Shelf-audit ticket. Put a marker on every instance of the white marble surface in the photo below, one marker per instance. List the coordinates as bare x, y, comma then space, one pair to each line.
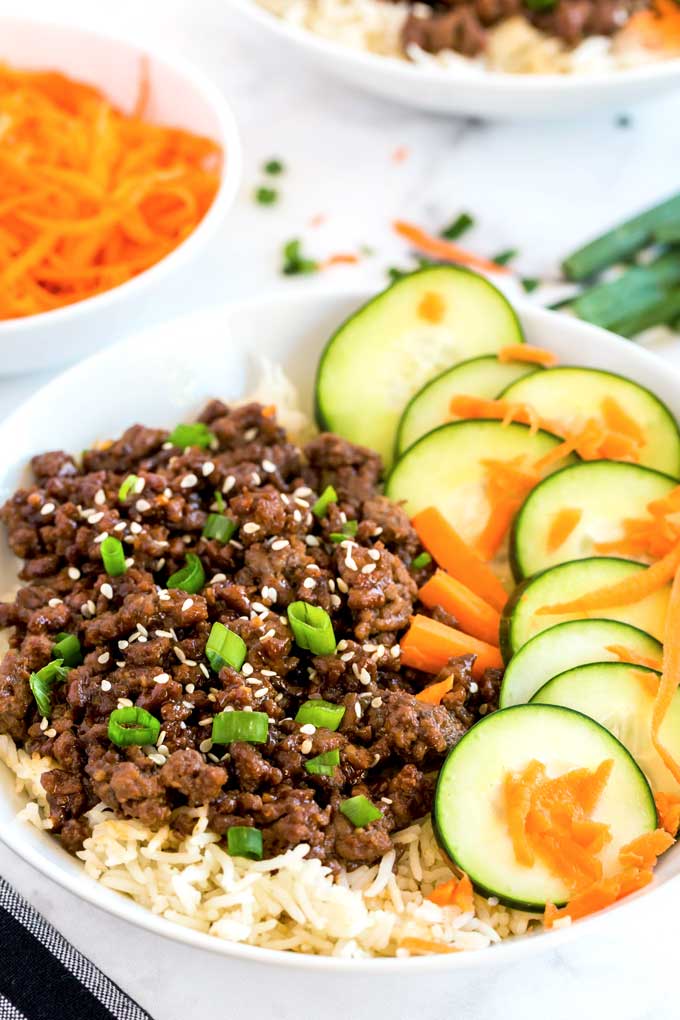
542, 188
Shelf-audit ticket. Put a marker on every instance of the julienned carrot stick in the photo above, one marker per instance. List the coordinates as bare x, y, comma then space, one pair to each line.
438, 248
527, 352
433, 694
670, 676
451, 553
625, 592
428, 645
474, 615
561, 527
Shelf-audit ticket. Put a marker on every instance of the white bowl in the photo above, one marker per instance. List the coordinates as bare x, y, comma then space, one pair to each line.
170, 381
489, 94
180, 96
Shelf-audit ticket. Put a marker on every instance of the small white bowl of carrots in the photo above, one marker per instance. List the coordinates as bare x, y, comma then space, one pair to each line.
117, 166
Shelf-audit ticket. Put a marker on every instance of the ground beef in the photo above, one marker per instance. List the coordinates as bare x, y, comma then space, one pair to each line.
145, 645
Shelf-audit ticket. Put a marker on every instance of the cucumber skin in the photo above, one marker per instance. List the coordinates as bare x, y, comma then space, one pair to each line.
505, 630
319, 415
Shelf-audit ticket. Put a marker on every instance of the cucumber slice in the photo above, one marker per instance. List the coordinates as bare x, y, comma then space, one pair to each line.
567, 645
567, 581
479, 377
567, 397
470, 826
605, 491
616, 696
445, 469
388, 349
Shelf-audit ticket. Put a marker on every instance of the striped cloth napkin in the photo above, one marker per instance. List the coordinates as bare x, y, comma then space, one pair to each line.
42, 977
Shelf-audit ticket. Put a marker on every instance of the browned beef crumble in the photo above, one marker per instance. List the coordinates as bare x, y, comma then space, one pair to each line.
145, 645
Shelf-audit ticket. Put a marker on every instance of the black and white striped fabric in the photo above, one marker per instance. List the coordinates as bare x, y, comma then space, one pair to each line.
42, 976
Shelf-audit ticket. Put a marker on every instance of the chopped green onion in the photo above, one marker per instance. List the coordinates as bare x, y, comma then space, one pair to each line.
328, 496
266, 196
312, 628
664, 311
126, 487
67, 648
219, 501
244, 841
394, 274
632, 293
190, 578
44, 681
460, 226
294, 262
132, 725
224, 648
324, 764
220, 527
251, 727
360, 811
322, 714
113, 556
349, 530
196, 434
668, 233
540, 5
420, 561
530, 284
273, 167
504, 257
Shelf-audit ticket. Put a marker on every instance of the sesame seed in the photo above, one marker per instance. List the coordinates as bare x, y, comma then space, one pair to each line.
106, 590
249, 435
164, 596
312, 540
368, 569
163, 633
308, 729
395, 651
365, 676
122, 645
483, 709
135, 527
493, 901
279, 544
229, 483
161, 678
349, 561
207, 468
247, 669
73, 573
309, 582
377, 531
218, 578
374, 554
204, 670
268, 672
103, 658
347, 656
342, 586
386, 800
138, 487
303, 490
473, 687
142, 629
91, 607
261, 693
258, 607
47, 508
44, 723
121, 526
51, 733
306, 746
129, 561
100, 497
124, 703
357, 710
157, 759
342, 644
268, 466
142, 505
101, 537
205, 745
270, 593
54, 602
250, 528
376, 703
167, 492
106, 685
189, 481
205, 722
96, 517
179, 653
186, 605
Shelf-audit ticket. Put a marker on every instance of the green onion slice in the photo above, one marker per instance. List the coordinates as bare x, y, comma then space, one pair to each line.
324, 764
244, 841
43, 682
224, 648
196, 434
360, 811
322, 714
312, 628
421, 561
133, 725
251, 727
67, 648
328, 496
219, 500
349, 530
126, 487
190, 578
113, 556
460, 225
220, 527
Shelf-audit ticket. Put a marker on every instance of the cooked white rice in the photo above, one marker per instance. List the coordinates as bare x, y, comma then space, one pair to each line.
513, 46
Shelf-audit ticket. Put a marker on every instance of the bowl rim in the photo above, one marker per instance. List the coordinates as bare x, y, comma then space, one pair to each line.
89, 890
495, 81
230, 178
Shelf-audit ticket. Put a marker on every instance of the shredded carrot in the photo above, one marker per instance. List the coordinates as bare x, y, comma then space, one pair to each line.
457, 892
90, 196
624, 593
618, 420
658, 27
464, 406
474, 615
507, 485
340, 259
527, 352
561, 527
428, 645
432, 307
643, 851
443, 894
443, 250
668, 810
433, 694
424, 947
318, 219
401, 153
451, 553
648, 681
670, 676
269, 411
624, 654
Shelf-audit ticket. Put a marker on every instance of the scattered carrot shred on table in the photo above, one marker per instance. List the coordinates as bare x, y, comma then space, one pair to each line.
528, 353
443, 250
91, 196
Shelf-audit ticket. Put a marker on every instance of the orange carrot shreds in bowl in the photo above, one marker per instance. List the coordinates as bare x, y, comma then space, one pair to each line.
89, 196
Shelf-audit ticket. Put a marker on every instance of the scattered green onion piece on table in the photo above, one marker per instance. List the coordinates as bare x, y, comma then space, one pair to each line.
530, 284
668, 233
423, 559
132, 725
126, 487
190, 578
324, 764
633, 292
67, 648
194, 434
220, 527
504, 257
43, 681
266, 196
328, 496
274, 167
113, 556
322, 714
663, 312
312, 628
244, 841
294, 263
224, 648
623, 241
360, 811
460, 226
250, 727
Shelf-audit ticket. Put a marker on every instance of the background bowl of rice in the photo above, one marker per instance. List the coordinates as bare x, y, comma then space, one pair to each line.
358, 42
254, 912
179, 96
